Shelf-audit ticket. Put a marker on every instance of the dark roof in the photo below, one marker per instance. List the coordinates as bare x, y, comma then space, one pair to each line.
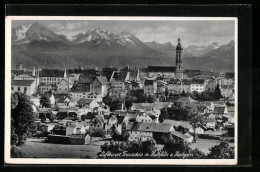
22, 82
152, 127
102, 79
161, 69
219, 110
197, 81
191, 73
119, 76
148, 82
120, 119
229, 75
85, 78
180, 135
175, 123
51, 73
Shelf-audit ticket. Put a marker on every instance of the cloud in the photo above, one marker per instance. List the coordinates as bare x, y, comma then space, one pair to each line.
68, 28
56, 26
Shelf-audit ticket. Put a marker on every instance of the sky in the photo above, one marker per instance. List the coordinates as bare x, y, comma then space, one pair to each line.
191, 32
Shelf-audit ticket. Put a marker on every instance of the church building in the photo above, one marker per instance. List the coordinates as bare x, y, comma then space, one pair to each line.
169, 71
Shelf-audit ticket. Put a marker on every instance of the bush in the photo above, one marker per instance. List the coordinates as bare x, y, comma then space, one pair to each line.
16, 153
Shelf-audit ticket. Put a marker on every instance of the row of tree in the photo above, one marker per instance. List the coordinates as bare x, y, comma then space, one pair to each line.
173, 148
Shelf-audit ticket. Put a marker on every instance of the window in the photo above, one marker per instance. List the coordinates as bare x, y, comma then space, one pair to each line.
25, 89
12, 88
18, 88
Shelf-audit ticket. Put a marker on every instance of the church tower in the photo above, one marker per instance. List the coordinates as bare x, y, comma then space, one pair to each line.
179, 60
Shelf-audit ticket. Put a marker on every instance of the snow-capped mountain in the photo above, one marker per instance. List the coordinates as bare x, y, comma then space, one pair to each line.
225, 51
99, 36
35, 32
194, 50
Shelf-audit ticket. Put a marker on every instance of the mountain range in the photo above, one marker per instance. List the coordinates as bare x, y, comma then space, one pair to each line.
36, 45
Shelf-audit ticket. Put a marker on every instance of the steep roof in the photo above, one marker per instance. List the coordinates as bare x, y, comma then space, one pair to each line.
102, 79
120, 119
152, 127
100, 118
177, 123
161, 69
119, 75
22, 82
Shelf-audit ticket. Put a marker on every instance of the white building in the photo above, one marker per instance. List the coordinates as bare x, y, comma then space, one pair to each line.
25, 86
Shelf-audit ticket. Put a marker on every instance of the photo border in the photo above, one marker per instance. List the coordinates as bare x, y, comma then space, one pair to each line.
9, 160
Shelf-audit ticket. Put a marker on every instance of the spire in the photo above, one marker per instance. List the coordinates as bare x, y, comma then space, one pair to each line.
65, 74
179, 46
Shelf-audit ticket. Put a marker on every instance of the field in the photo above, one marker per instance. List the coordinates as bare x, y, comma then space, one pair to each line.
37, 148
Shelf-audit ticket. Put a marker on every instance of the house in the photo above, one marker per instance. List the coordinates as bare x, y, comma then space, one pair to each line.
110, 121
209, 122
227, 90
63, 86
46, 127
219, 110
44, 88
80, 139
90, 103
76, 128
118, 78
147, 117
211, 85
150, 87
52, 76
186, 100
179, 125
62, 100
144, 131
25, 86
228, 118
97, 122
25, 76
198, 85
99, 86
150, 106
185, 137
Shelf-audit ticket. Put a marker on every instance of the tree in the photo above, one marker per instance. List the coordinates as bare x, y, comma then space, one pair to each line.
42, 117
128, 102
174, 146
83, 117
90, 115
45, 102
196, 154
50, 116
166, 92
16, 153
221, 151
22, 118
150, 99
194, 119
147, 147
217, 93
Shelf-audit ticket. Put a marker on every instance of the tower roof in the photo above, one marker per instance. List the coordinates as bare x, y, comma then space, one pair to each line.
179, 46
